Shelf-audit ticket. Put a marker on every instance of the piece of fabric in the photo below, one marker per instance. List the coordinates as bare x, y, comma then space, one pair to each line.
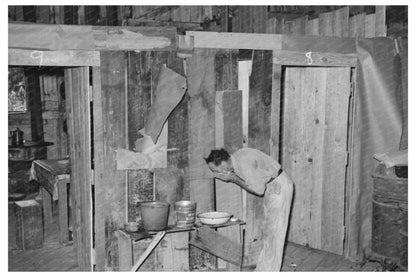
277, 203
377, 129
254, 167
169, 91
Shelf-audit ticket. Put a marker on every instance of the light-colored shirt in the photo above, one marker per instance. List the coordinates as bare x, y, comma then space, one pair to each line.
254, 167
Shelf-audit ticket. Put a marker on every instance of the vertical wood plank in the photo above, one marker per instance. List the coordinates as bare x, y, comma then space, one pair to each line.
357, 25
42, 14
12, 13
78, 107
110, 204
287, 27
271, 25
299, 26
326, 24
259, 19
312, 27
275, 111
201, 88
19, 13
370, 26
380, 22
81, 15
228, 134
259, 134
292, 127
338, 92
341, 24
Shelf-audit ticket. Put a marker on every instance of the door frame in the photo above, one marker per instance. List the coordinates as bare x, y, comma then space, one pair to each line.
78, 59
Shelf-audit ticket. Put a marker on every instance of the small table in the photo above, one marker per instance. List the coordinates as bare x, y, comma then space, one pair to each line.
203, 238
53, 176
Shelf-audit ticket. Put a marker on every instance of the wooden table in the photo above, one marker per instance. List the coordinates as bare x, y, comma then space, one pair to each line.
53, 176
202, 236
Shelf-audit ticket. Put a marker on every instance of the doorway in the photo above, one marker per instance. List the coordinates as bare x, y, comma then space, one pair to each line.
314, 133
69, 114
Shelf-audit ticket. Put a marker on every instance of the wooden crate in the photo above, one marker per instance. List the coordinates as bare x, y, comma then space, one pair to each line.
29, 227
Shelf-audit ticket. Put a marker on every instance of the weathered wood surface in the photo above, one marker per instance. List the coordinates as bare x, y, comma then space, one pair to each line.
259, 134
380, 22
228, 134
139, 95
200, 71
47, 206
110, 188
341, 26
314, 59
77, 37
235, 40
275, 111
29, 229
337, 100
357, 25
218, 245
53, 58
370, 26
78, 107
312, 27
312, 145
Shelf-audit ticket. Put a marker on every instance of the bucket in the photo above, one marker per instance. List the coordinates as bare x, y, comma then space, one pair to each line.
185, 213
154, 215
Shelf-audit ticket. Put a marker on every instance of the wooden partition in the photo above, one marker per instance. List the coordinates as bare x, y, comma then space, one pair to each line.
78, 108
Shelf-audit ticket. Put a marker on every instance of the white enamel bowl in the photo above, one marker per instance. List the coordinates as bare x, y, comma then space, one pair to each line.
214, 218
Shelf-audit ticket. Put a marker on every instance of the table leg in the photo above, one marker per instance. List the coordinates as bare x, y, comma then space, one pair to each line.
63, 212
47, 208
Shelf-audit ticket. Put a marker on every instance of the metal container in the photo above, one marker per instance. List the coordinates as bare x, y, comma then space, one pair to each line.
185, 213
131, 226
154, 215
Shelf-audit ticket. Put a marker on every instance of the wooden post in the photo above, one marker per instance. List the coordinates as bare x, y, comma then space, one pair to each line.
110, 184
78, 108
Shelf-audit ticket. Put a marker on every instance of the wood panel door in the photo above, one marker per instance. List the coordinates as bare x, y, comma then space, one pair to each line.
78, 110
314, 153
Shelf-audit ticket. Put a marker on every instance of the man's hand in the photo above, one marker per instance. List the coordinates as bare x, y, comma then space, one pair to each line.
227, 177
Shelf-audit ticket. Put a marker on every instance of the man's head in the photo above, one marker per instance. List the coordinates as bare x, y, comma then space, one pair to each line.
219, 161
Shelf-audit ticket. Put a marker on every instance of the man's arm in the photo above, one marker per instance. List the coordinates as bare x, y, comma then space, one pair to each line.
232, 177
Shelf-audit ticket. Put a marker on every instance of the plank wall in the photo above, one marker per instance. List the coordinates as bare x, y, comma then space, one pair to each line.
255, 19
169, 184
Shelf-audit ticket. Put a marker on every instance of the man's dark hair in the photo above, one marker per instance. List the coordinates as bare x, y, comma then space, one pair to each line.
217, 156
